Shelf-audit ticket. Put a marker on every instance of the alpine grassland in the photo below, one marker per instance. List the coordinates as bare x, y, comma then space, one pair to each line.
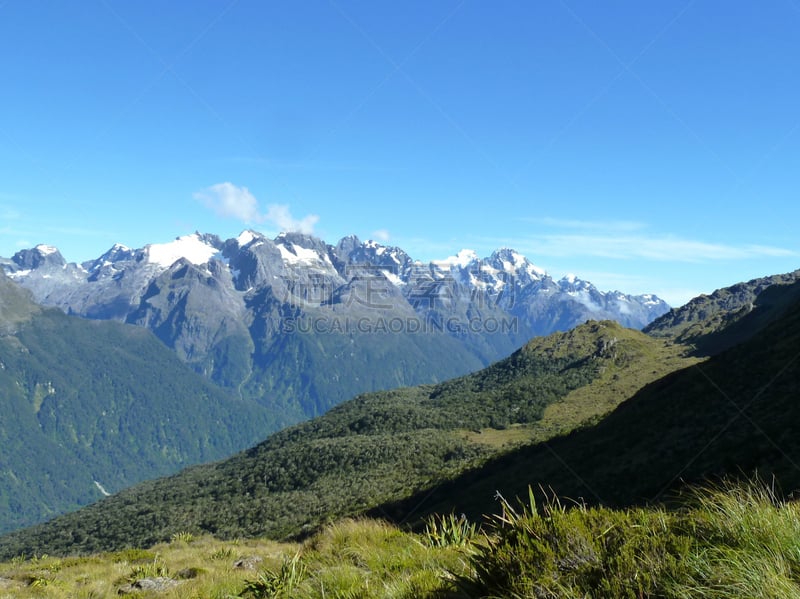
729, 540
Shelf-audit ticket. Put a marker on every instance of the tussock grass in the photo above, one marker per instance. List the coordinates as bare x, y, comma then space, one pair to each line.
750, 544
731, 540
727, 541
350, 558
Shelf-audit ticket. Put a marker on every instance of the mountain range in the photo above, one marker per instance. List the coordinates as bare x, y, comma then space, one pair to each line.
601, 413
300, 325
280, 330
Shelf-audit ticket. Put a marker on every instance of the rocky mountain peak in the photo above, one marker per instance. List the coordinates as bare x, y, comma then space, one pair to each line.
40, 256
303, 240
232, 308
347, 245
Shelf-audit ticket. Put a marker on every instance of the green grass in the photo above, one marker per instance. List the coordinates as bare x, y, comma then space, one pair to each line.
734, 540
729, 541
351, 558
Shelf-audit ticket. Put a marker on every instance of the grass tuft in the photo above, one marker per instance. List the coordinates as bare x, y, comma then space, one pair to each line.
279, 583
727, 541
449, 530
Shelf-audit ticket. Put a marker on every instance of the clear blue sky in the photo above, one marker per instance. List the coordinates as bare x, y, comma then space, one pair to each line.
645, 146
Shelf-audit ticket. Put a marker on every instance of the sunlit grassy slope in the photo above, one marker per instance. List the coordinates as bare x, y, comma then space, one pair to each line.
730, 542
734, 414
376, 448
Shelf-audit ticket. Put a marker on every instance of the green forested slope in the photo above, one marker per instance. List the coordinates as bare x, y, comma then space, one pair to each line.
370, 450
735, 414
84, 401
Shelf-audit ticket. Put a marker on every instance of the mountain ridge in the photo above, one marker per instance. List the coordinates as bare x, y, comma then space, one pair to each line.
707, 321
730, 415
531, 419
255, 315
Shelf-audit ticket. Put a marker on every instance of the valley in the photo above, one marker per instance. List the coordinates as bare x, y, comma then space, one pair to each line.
399, 300
604, 414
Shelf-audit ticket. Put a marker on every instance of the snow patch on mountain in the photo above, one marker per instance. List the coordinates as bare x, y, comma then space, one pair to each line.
245, 237
295, 254
190, 247
650, 299
393, 278
46, 250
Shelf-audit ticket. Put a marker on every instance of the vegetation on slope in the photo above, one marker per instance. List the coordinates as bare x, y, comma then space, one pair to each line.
731, 541
373, 449
727, 542
732, 413
709, 322
87, 401
735, 413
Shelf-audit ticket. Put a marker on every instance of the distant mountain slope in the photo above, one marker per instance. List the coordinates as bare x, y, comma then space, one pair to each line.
302, 325
735, 414
699, 321
85, 401
372, 449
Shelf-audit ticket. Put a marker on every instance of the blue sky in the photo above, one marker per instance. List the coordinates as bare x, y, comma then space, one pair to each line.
645, 146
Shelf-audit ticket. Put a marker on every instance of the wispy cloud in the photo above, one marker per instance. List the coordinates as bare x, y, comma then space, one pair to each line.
279, 215
665, 248
624, 239
381, 235
231, 201
588, 225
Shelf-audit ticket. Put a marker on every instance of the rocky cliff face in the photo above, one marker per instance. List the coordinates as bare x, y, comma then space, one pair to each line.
303, 325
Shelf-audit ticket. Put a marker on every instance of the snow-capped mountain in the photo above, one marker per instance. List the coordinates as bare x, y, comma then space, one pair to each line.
296, 320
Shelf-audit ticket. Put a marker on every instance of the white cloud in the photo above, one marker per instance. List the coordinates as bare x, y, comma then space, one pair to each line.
381, 235
228, 200
621, 239
231, 201
635, 284
279, 215
660, 248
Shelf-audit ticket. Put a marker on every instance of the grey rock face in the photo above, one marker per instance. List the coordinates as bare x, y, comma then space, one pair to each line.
296, 321
156, 585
